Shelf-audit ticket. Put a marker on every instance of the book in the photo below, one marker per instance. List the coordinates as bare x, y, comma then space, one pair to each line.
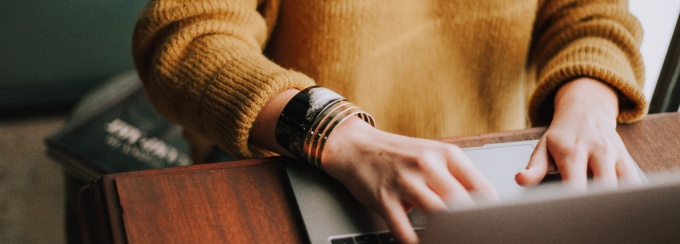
115, 128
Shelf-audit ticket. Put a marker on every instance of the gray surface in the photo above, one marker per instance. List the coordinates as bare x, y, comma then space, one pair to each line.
328, 210
31, 184
646, 214
500, 162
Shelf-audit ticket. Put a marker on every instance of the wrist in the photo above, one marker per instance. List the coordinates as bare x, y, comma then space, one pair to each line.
586, 96
306, 122
346, 141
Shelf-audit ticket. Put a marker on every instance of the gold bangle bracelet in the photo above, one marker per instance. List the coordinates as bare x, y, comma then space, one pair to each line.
322, 127
309, 118
299, 114
322, 122
318, 141
319, 122
320, 148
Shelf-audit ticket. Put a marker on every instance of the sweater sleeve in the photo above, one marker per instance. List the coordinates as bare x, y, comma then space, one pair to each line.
202, 65
596, 39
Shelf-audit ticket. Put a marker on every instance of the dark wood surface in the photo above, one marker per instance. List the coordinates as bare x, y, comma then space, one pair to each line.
250, 200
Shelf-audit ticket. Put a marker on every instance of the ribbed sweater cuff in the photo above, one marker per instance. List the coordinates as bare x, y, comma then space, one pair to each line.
594, 58
233, 118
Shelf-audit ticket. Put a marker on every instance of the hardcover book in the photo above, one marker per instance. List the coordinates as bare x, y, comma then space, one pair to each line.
115, 128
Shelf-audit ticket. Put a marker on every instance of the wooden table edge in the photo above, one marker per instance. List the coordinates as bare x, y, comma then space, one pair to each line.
107, 190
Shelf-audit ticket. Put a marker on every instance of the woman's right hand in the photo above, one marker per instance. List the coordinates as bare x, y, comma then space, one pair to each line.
392, 174
389, 173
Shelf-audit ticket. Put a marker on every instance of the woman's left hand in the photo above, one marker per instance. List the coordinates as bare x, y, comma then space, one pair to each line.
582, 140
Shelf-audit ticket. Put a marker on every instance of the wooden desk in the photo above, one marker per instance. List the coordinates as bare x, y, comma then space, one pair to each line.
250, 200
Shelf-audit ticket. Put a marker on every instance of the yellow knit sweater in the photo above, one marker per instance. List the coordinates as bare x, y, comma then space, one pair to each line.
424, 68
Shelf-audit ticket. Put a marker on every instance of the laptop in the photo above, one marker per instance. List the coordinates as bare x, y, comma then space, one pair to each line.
641, 214
331, 215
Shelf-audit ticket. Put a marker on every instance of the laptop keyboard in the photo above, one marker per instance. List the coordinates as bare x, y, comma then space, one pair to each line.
371, 238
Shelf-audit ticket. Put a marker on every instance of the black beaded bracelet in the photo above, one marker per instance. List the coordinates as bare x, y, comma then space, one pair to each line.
307, 120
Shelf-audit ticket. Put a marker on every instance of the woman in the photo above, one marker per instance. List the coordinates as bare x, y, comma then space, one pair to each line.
231, 73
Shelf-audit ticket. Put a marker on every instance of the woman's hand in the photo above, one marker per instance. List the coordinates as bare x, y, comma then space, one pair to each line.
389, 173
582, 140
392, 174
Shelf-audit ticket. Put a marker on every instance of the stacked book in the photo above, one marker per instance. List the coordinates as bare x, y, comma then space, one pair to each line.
115, 128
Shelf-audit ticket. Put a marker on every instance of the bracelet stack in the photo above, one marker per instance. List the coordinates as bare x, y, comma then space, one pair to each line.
309, 118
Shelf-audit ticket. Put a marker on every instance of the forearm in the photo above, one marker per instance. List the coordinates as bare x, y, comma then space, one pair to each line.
593, 39
210, 76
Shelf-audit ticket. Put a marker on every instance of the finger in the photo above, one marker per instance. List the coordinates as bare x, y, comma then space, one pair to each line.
467, 177
603, 166
456, 196
537, 167
397, 220
573, 166
446, 186
426, 199
627, 172
626, 169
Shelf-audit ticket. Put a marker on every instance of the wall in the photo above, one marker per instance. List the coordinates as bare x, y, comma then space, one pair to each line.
658, 18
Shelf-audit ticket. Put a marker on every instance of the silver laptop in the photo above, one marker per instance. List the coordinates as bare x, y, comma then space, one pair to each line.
640, 214
331, 215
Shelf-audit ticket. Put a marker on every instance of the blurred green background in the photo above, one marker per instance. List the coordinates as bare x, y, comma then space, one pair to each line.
53, 51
